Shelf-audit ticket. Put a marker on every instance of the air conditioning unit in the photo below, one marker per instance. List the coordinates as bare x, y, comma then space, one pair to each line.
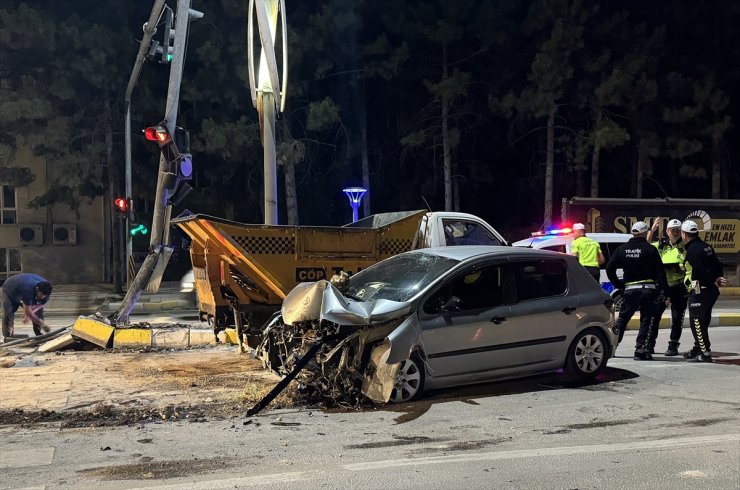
31, 235
64, 234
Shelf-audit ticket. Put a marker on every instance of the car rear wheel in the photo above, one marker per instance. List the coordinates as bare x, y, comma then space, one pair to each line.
587, 354
409, 380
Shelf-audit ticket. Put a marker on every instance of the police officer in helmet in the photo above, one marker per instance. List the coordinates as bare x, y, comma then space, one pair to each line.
703, 279
644, 277
672, 254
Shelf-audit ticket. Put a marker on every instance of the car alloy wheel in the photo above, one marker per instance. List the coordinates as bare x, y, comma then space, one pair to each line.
587, 355
409, 380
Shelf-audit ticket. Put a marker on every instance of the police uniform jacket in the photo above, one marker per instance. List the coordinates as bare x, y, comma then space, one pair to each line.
702, 264
640, 262
673, 257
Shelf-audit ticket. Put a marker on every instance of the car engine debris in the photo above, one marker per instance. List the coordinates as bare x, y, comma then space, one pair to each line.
348, 342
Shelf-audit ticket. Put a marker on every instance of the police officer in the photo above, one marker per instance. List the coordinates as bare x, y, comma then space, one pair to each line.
703, 279
672, 254
587, 250
644, 276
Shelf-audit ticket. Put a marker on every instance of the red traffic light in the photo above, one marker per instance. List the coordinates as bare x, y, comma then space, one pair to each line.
121, 204
158, 134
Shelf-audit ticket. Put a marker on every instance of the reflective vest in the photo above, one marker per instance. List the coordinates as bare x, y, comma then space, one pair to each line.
674, 261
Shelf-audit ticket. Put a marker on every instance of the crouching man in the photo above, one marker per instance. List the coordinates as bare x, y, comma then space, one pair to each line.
29, 291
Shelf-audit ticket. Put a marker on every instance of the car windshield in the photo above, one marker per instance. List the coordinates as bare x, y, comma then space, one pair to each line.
398, 278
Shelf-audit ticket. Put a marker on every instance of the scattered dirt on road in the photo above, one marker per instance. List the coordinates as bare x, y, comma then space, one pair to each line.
152, 470
113, 388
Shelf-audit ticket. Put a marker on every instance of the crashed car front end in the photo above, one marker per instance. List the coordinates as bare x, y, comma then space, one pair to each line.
356, 346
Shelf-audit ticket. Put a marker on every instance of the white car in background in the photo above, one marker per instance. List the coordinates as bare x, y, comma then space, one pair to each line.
560, 240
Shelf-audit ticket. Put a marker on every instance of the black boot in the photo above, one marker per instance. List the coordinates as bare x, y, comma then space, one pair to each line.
642, 354
702, 357
693, 353
672, 349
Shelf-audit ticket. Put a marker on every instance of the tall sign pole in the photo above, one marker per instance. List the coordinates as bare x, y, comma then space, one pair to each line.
268, 94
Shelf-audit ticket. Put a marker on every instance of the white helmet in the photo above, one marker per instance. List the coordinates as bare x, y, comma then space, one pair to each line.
674, 223
689, 227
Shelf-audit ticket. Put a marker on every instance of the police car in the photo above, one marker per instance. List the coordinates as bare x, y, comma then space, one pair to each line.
560, 240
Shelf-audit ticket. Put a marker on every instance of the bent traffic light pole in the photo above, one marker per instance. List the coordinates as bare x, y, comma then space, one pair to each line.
158, 252
149, 29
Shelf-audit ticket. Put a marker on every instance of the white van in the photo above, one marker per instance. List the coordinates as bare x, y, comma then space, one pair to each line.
561, 240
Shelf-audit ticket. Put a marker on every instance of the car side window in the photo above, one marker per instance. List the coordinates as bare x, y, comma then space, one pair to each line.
556, 248
461, 232
477, 288
540, 279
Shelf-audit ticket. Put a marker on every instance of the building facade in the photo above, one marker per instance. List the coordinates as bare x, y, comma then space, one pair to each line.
59, 243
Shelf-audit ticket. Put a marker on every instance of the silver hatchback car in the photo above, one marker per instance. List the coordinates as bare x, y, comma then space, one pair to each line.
441, 317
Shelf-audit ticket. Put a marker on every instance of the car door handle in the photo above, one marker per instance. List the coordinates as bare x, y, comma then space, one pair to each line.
569, 309
498, 320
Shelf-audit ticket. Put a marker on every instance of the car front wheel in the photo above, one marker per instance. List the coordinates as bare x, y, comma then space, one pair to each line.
409, 380
587, 354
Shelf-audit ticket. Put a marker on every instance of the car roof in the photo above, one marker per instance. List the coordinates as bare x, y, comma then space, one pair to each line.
552, 241
465, 252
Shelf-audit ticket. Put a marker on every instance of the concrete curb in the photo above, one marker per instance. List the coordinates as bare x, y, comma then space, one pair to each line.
718, 320
182, 338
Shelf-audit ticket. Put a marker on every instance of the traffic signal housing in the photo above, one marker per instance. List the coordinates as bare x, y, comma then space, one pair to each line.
122, 206
159, 134
184, 165
163, 50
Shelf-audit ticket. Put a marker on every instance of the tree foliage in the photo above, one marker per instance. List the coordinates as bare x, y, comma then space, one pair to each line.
483, 106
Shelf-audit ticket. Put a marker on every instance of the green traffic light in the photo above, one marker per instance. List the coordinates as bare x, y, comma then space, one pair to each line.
139, 229
169, 58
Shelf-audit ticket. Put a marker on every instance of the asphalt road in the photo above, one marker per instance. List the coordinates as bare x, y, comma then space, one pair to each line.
659, 424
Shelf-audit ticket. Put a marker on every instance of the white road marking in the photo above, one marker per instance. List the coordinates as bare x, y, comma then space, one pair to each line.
551, 451
24, 458
275, 478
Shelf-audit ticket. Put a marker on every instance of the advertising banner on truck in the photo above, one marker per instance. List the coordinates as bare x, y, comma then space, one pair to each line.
718, 219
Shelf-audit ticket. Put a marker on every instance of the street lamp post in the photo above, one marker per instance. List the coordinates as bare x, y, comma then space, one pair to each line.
355, 194
268, 94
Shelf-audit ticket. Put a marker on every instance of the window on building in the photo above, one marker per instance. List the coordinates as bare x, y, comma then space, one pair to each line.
10, 263
8, 213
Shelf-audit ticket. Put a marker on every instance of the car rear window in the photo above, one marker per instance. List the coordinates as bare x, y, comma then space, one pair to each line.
540, 279
461, 232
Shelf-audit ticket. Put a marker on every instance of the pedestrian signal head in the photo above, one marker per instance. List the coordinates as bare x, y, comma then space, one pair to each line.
689, 226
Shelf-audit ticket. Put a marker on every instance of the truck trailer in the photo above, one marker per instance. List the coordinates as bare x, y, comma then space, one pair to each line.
242, 272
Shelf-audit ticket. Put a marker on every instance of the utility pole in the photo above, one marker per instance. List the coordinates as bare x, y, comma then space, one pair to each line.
266, 92
159, 251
